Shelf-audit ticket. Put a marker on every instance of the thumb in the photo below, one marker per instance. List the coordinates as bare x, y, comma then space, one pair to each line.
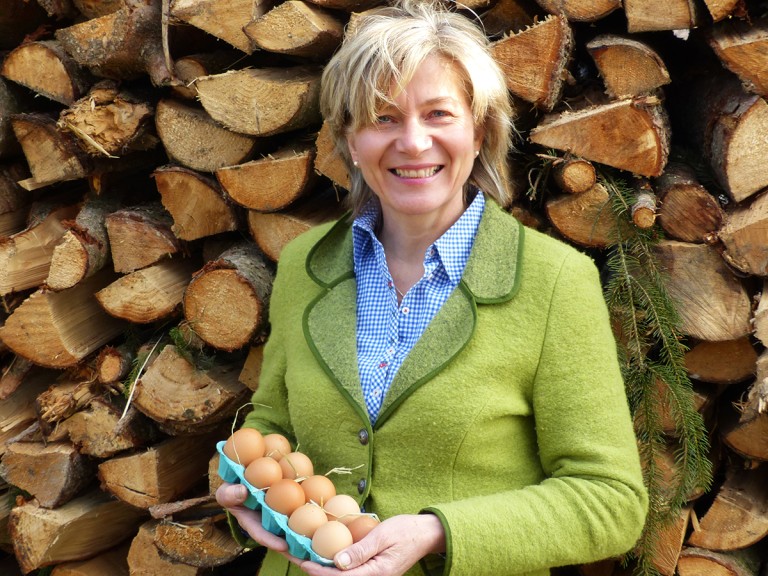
355, 555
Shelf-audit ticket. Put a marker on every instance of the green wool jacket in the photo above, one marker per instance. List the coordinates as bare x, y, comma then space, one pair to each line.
508, 420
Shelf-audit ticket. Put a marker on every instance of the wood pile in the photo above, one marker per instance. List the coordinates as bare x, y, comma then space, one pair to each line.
155, 157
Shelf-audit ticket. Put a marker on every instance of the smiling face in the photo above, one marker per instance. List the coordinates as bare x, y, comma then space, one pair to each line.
420, 151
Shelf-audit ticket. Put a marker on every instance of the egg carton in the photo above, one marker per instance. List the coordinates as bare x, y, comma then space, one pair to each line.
272, 521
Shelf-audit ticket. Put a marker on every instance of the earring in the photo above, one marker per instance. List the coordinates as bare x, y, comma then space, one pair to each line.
477, 153
355, 163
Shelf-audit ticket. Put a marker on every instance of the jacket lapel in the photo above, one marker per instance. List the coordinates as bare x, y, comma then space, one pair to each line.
491, 276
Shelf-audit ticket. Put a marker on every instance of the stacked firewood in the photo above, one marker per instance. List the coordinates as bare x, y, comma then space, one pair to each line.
155, 157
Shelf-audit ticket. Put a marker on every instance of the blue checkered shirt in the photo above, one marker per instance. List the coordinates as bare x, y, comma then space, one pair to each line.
386, 331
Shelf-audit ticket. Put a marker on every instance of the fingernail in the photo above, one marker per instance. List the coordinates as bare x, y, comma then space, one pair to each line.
344, 560
242, 491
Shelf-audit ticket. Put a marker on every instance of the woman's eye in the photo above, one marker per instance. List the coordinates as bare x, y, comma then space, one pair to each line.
383, 119
439, 114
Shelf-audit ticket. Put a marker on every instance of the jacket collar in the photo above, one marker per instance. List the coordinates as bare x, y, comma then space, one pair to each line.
491, 276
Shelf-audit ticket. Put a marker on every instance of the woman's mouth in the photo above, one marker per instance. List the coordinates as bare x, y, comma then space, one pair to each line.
420, 173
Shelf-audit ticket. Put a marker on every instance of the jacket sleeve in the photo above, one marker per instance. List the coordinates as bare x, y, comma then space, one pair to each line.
592, 503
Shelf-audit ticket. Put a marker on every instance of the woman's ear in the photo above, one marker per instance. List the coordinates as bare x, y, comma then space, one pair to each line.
479, 137
351, 146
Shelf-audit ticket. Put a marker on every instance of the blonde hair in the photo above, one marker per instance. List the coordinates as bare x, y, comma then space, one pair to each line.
384, 48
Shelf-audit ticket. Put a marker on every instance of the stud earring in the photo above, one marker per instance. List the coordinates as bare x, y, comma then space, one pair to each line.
477, 153
355, 163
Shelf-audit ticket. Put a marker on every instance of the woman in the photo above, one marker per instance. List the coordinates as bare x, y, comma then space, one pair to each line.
461, 365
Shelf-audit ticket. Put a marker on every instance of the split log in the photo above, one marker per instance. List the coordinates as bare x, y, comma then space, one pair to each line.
586, 219
628, 67
51, 155
195, 202
25, 257
193, 66
148, 226
13, 375
328, 162
123, 44
110, 122
688, 212
11, 102
722, 363
701, 562
101, 430
193, 139
77, 530
722, 9
14, 200
53, 473
149, 294
580, 10
745, 430
185, 400
113, 562
224, 19
271, 183
249, 374
17, 412
725, 124
745, 234
162, 473
712, 303
760, 320
741, 47
629, 134
206, 543
703, 401
650, 15
63, 400
47, 69
535, 60
355, 5
263, 101
738, 517
226, 302
59, 9
506, 16
83, 249
574, 175
59, 329
96, 8
670, 542
144, 559
114, 363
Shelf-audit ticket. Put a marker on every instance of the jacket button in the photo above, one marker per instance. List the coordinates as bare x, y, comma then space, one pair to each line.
361, 486
363, 436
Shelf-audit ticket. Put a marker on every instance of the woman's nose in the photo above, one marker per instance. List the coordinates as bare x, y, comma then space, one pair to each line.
414, 138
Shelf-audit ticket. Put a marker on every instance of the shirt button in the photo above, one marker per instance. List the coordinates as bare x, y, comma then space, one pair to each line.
390, 350
363, 436
361, 486
406, 310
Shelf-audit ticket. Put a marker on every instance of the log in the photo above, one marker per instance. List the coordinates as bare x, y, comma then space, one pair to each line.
745, 429
149, 294
649, 15
224, 19
264, 101
574, 175
18, 19
123, 44
741, 47
721, 9
25, 257
84, 248
96, 8
643, 210
628, 134
114, 363
296, 28
47, 69
59, 9
110, 122
144, 559
354, 5
226, 302
534, 60
59, 329
193, 139
722, 363
193, 66
271, 183
249, 374
185, 400
712, 303
328, 162
77, 530
113, 562
14, 200
703, 401
701, 562
688, 212
738, 517
162, 473
627, 66
670, 542
148, 226
63, 400
580, 10
272, 231
11, 102
13, 374
17, 412
52, 473
206, 543
506, 16
586, 219
195, 201
744, 234
760, 320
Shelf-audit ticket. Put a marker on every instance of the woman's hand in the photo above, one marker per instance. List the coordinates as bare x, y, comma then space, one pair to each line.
390, 549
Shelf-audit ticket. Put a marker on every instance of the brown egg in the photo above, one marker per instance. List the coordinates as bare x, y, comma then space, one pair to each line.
360, 526
263, 472
318, 489
276, 446
296, 465
244, 446
284, 496
306, 519
342, 508
330, 538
